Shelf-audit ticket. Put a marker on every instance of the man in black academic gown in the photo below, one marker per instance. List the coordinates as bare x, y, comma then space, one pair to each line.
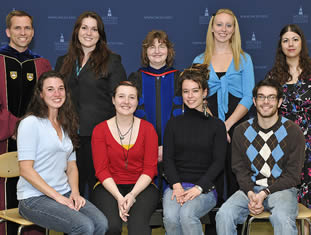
19, 70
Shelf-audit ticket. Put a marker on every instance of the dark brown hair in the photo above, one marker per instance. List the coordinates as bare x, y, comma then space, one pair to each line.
198, 73
99, 56
163, 38
280, 70
270, 83
67, 117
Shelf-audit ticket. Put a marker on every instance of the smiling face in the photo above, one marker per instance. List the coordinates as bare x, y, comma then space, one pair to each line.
291, 44
53, 93
20, 33
125, 100
223, 27
157, 54
88, 34
193, 94
267, 102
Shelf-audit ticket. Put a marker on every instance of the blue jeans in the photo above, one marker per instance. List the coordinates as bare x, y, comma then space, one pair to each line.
48, 213
186, 219
282, 205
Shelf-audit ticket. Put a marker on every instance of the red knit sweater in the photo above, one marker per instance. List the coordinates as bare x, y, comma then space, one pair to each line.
109, 159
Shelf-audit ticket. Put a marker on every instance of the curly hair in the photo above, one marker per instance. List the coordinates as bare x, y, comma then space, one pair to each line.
99, 56
280, 70
163, 38
67, 117
198, 73
235, 40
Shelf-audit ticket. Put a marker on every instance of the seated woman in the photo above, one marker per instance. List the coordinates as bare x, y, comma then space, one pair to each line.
125, 153
194, 155
47, 189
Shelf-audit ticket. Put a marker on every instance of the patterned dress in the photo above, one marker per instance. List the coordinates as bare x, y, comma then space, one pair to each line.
296, 106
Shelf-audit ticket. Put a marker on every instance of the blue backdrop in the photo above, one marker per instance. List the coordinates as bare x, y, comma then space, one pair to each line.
185, 21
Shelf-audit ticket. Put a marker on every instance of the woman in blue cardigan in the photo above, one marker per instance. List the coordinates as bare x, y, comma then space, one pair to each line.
231, 77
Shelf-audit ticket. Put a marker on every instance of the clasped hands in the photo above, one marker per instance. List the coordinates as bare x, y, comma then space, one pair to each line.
182, 195
74, 202
125, 203
255, 204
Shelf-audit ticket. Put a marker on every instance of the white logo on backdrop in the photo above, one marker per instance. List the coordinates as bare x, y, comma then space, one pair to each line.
301, 18
253, 43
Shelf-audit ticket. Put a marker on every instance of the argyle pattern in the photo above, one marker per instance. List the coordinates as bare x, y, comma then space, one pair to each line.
265, 150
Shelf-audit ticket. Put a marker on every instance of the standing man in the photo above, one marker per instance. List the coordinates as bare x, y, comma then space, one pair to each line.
267, 158
19, 70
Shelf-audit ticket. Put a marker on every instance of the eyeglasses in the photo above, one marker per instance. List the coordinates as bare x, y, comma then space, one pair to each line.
269, 97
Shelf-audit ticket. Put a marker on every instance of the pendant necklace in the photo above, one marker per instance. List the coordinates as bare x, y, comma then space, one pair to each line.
122, 138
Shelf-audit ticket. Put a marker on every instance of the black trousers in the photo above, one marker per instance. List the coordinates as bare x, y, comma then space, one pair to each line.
85, 166
140, 213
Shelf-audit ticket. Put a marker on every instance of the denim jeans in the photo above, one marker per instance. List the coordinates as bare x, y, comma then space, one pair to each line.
282, 205
185, 219
48, 213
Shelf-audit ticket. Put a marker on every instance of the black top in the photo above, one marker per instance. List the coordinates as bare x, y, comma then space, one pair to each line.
92, 94
194, 149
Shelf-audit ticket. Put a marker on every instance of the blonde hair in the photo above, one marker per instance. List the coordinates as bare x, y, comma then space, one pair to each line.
235, 40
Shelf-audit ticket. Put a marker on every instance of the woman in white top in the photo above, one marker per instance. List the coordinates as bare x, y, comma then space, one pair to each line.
47, 189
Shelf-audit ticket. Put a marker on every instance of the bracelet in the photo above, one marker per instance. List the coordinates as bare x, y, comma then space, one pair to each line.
199, 188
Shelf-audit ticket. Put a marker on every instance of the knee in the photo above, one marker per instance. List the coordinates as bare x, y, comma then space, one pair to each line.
115, 227
283, 217
225, 213
170, 218
188, 217
102, 226
86, 227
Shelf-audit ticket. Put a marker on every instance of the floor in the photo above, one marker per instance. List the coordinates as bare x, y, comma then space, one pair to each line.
259, 228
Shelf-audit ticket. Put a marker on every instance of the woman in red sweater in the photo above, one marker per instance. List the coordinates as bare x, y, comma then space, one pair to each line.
125, 152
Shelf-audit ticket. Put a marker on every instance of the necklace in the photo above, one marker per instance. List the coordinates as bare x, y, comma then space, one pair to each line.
122, 136
128, 147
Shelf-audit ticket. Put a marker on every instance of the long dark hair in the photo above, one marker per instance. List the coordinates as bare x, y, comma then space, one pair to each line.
280, 70
67, 117
99, 56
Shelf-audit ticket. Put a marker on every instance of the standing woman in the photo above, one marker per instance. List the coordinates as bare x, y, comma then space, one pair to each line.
157, 81
194, 155
125, 153
292, 68
47, 189
91, 71
231, 78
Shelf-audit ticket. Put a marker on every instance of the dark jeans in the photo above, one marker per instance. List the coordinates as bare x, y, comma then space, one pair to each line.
140, 213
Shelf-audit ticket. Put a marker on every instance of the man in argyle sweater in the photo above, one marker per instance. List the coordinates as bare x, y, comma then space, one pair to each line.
267, 158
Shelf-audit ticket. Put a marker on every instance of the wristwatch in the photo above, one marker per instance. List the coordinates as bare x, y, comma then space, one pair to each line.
199, 187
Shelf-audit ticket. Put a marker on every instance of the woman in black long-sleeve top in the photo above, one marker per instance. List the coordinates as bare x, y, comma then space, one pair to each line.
194, 154
92, 71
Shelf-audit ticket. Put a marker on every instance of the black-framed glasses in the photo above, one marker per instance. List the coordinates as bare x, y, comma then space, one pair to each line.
269, 97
